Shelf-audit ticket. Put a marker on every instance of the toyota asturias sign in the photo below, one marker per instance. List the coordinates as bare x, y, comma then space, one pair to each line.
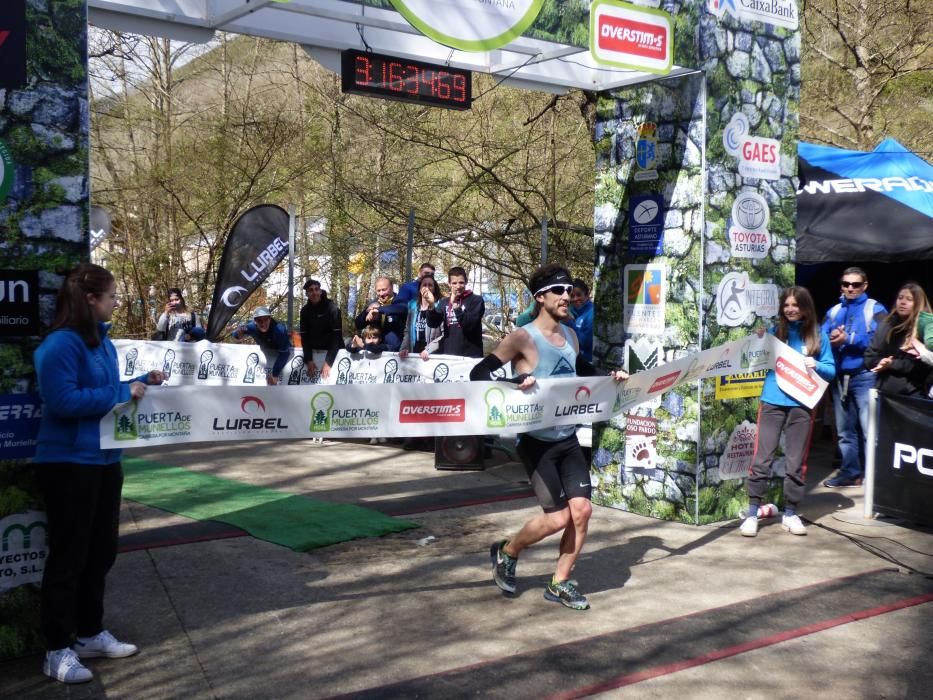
640, 38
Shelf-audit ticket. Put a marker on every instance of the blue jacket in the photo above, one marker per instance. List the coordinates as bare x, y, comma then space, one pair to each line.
583, 325
825, 366
276, 340
79, 386
851, 314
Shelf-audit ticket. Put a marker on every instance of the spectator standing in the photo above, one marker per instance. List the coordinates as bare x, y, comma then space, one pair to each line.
177, 322
387, 312
581, 306
850, 326
463, 313
321, 325
273, 339
425, 326
409, 290
79, 382
892, 356
779, 412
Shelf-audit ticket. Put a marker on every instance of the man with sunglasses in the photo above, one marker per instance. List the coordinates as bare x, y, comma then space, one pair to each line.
850, 325
553, 459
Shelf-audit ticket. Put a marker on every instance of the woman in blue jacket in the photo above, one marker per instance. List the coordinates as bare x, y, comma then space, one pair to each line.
79, 383
799, 327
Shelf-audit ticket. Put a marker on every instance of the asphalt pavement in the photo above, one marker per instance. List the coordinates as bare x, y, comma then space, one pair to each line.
677, 610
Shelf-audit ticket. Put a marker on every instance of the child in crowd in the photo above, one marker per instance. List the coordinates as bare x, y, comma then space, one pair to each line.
370, 340
799, 327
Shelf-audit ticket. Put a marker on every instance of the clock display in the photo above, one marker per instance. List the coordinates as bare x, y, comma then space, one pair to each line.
367, 73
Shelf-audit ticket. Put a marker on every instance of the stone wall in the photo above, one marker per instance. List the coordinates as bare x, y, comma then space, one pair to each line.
725, 147
43, 227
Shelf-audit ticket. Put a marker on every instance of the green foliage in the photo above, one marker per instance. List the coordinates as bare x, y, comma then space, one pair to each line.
50, 46
19, 622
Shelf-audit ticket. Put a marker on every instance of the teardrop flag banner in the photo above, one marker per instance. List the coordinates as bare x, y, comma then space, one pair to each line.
257, 243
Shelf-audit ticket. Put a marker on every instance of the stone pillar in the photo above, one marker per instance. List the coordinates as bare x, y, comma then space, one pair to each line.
43, 233
716, 153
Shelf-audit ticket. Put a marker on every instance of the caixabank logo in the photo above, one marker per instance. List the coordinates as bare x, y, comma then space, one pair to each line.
252, 419
781, 13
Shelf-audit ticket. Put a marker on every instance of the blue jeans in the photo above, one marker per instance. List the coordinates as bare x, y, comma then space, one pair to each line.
852, 422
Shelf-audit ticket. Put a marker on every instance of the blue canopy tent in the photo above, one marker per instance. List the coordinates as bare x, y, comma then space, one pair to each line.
855, 206
873, 210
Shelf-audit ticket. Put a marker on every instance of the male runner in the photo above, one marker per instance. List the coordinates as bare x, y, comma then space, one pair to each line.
553, 459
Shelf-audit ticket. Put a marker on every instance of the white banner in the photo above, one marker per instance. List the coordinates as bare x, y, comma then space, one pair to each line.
23, 548
170, 415
222, 364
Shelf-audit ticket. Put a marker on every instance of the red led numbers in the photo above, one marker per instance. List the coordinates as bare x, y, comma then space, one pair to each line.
368, 73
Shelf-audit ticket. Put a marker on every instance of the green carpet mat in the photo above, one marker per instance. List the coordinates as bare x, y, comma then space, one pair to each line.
292, 521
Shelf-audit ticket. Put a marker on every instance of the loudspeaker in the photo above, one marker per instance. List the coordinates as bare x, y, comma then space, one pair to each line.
459, 453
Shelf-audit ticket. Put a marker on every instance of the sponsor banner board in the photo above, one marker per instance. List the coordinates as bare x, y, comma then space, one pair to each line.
758, 157
169, 415
780, 13
19, 303
629, 36
470, 26
19, 425
903, 485
645, 295
220, 364
646, 225
740, 386
24, 547
736, 460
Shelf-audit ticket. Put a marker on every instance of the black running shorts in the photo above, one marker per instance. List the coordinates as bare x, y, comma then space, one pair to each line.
558, 471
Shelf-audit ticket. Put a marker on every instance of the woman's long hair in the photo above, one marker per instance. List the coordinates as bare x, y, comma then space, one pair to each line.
71, 307
907, 327
809, 328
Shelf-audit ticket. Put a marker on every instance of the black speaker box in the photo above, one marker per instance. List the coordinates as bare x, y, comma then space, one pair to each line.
459, 453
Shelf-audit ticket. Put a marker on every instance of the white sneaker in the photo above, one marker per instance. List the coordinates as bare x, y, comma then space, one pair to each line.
373, 441
792, 524
63, 665
749, 527
103, 644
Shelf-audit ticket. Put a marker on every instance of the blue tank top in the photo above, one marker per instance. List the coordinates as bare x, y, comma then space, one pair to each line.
553, 362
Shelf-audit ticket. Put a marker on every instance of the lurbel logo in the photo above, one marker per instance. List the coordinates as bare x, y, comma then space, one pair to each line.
582, 393
432, 411
664, 382
722, 364
908, 454
251, 405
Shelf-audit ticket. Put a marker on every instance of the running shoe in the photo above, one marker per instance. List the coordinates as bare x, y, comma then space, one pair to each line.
503, 567
793, 525
63, 665
566, 593
749, 527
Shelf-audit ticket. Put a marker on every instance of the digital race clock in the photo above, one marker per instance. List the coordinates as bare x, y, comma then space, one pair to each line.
366, 73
